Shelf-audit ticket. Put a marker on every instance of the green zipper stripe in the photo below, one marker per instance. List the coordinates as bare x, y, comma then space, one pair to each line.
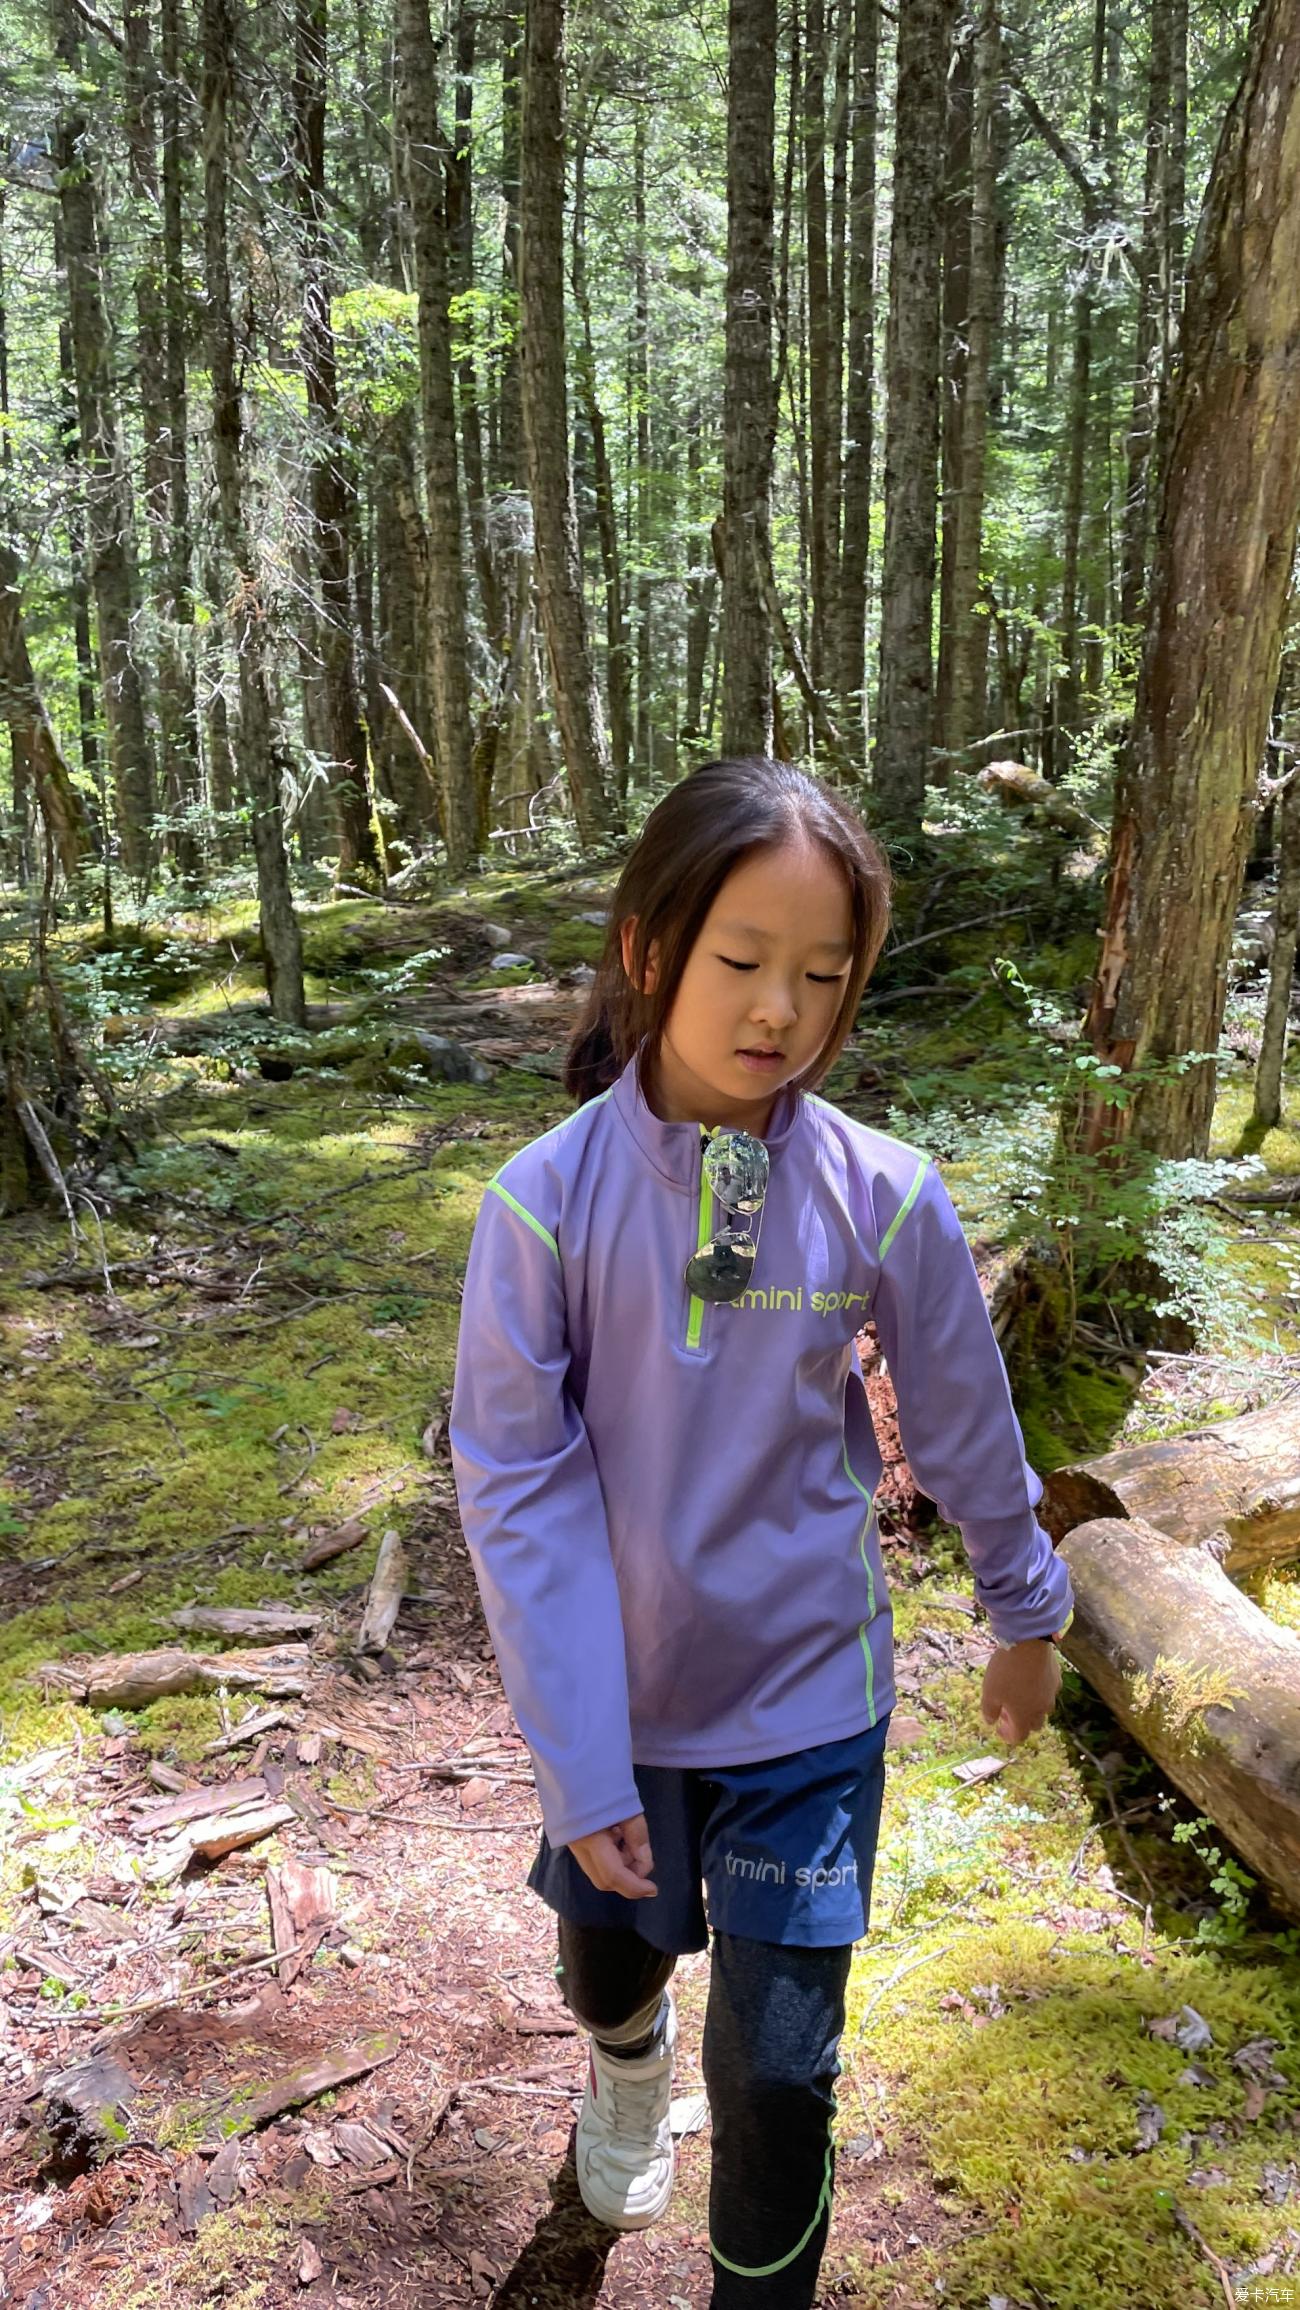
863, 1638
770, 2269
496, 1188
903, 1209
704, 1233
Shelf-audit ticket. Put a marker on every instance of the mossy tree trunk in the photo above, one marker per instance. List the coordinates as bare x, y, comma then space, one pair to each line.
1184, 805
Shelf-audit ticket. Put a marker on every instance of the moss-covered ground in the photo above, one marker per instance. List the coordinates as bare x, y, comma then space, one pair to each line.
286, 1258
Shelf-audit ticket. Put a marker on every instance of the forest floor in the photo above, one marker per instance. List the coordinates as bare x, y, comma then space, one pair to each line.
1071, 2074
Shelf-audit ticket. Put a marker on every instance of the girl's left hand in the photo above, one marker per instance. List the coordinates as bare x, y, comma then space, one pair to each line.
1020, 1689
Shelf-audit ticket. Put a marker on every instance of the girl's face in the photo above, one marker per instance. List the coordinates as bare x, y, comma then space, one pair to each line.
766, 973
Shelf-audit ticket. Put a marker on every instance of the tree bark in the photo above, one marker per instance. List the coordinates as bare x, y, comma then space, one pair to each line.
954, 331
332, 492
859, 362
449, 658
641, 384
245, 612
902, 759
749, 416
1227, 531
550, 476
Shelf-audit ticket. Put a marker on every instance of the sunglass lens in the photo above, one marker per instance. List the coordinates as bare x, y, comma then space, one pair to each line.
736, 1167
722, 1270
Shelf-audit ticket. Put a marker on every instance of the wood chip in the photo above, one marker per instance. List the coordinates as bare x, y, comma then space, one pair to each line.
328, 1545
358, 2145
304, 1904
221, 1797
213, 1840
310, 2265
193, 2197
387, 1588
251, 1728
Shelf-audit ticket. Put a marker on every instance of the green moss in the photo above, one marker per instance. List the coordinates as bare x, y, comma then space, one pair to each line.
574, 942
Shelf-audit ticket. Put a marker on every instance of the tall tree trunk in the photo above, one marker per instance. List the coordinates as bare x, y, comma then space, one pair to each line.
817, 275
141, 114
1173, 203
1080, 422
641, 380
859, 365
550, 476
701, 577
449, 652
108, 493
460, 235
1281, 977
969, 623
902, 759
332, 493
281, 942
838, 134
511, 471
78, 586
1147, 352
177, 708
617, 673
954, 339
1227, 532
748, 415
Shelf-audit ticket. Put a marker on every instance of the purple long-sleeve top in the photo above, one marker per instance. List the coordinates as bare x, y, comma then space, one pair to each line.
669, 1504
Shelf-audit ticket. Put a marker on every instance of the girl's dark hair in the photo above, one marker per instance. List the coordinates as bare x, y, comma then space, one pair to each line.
705, 826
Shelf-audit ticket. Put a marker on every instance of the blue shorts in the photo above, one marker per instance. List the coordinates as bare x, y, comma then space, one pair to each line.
782, 1851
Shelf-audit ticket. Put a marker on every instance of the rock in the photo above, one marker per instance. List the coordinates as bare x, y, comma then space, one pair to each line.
495, 935
449, 1061
581, 975
511, 962
602, 918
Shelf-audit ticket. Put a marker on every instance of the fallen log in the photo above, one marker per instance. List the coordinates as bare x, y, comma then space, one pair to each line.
132, 1680
261, 1623
1235, 1484
1202, 1678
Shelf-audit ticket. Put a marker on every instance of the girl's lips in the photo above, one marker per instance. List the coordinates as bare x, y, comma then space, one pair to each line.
761, 1062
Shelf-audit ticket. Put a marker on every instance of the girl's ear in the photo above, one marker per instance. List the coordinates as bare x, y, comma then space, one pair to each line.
627, 934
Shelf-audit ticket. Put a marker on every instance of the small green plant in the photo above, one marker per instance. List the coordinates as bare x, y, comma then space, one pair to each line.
1228, 1879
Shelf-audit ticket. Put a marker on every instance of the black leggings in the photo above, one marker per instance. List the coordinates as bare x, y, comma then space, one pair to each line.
771, 2034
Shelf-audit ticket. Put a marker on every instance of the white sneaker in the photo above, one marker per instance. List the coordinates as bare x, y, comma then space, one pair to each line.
625, 2145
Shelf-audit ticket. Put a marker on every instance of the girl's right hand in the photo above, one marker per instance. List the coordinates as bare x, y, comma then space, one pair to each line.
618, 1860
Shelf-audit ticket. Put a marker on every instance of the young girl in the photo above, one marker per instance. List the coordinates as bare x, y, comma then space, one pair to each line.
666, 1467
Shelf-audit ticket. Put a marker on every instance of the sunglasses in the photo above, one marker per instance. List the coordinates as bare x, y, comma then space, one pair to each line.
736, 1167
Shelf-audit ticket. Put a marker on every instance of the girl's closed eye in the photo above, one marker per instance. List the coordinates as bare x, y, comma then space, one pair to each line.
818, 979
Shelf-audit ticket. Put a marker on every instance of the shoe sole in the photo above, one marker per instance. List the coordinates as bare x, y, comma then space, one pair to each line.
617, 2219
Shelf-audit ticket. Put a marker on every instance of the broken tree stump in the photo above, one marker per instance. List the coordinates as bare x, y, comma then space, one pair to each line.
304, 1904
1201, 1677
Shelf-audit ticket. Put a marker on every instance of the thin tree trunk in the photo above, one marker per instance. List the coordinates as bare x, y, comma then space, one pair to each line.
1080, 424
1286, 925
177, 707
955, 332
449, 660
1227, 531
749, 416
24, 710
969, 624
108, 493
819, 330
902, 760
617, 673
281, 942
511, 463
838, 133
460, 235
1146, 351
859, 362
641, 379
550, 475
332, 493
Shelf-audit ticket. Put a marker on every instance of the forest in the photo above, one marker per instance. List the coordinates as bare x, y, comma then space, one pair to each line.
427, 434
